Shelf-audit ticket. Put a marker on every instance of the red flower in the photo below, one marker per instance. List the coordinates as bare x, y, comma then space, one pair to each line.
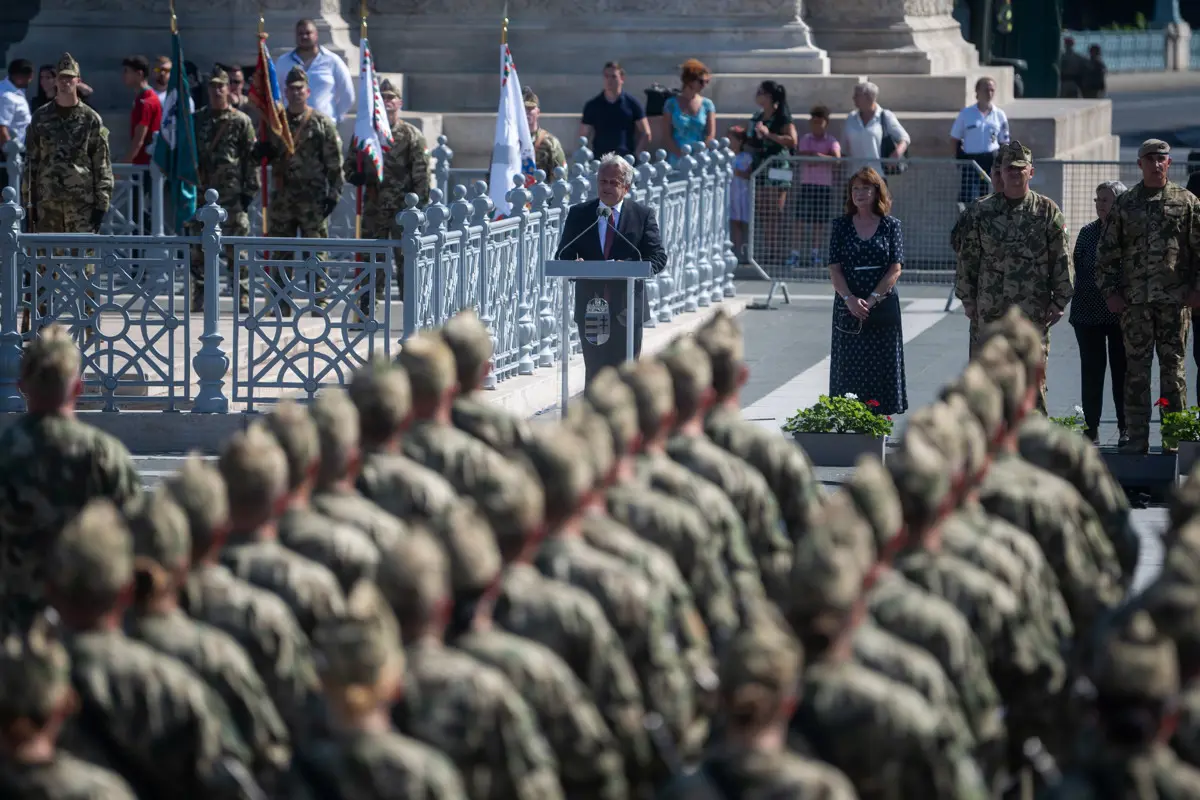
889, 418
872, 404
1163, 402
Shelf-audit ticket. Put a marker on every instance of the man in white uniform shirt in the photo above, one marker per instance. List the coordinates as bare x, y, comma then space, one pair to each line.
332, 90
14, 108
978, 132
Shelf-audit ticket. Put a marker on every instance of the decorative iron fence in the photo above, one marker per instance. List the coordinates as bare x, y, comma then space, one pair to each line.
1126, 51
312, 309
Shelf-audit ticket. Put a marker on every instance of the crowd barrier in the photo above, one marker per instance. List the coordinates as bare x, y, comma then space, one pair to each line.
312, 312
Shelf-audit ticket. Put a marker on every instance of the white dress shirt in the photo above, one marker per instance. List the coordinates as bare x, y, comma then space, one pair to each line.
864, 140
14, 110
331, 89
602, 228
979, 132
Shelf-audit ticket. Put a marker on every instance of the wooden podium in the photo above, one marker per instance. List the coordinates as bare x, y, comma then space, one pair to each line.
629, 271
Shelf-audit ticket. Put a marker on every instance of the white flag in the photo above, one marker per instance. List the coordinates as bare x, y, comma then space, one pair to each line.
372, 133
513, 151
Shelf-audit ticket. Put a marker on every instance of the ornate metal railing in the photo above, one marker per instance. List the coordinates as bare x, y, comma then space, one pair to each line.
312, 309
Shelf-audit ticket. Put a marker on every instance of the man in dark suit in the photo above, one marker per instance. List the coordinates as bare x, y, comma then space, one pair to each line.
600, 312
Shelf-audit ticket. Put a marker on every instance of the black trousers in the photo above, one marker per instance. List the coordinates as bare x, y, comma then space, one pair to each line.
610, 354
1101, 347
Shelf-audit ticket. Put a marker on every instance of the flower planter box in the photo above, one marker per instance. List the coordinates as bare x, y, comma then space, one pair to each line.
839, 449
1188, 454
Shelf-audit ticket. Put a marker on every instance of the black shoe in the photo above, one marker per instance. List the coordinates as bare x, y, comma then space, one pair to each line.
1123, 438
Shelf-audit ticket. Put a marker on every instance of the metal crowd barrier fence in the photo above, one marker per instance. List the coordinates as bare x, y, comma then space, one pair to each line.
313, 309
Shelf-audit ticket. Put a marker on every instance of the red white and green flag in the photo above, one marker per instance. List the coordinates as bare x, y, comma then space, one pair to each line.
513, 150
372, 133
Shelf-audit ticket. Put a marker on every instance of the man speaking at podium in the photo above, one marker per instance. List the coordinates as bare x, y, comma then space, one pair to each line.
612, 228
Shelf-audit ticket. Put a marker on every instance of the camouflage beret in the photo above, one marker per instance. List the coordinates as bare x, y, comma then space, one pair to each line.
764, 657
1154, 147
199, 491
160, 531
359, 646
597, 436
35, 674
92, 560
255, 469
833, 583
722, 340
51, 360
471, 549
415, 576
337, 423
553, 452
921, 476
67, 65
691, 373
614, 400
296, 75
429, 364
1021, 334
383, 396
471, 343
983, 398
839, 522
1137, 661
294, 430
218, 76
872, 490
1014, 154
653, 392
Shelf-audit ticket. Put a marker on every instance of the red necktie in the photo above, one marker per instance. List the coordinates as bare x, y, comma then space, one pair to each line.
609, 231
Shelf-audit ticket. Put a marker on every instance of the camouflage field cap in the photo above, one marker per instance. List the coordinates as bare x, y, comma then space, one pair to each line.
429, 363
218, 76
514, 507
92, 561
387, 89
35, 674
764, 657
553, 452
1021, 334
199, 491
722, 340
414, 576
921, 475
337, 423
999, 361
1015, 154
470, 548
611, 398
67, 65
691, 373
975, 442
383, 396
936, 424
1154, 147
356, 648
874, 494
598, 438
471, 343
832, 582
531, 99
839, 522
296, 77
982, 397
653, 392
296, 433
1137, 661
160, 531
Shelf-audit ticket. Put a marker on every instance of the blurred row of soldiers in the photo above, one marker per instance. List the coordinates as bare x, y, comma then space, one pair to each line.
67, 183
404, 591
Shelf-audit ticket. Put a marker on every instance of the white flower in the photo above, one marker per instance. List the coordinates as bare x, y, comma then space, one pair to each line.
1079, 410
850, 396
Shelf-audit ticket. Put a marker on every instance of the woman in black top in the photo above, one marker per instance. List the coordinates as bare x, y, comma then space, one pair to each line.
46, 87
771, 132
1097, 329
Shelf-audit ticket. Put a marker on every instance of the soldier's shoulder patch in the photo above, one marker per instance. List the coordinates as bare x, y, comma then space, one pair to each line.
103, 132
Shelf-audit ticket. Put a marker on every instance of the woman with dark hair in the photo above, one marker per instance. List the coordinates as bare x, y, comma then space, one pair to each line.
866, 255
46, 86
771, 132
690, 116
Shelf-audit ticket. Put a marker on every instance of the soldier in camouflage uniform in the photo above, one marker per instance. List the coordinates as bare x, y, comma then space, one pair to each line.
882, 735
383, 396
51, 465
255, 470
144, 713
547, 150
1016, 254
224, 148
35, 699
467, 710
691, 377
1146, 271
362, 667
308, 183
1136, 678
471, 343
344, 549
760, 683
638, 611
1173, 602
786, 468
589, 762
336, 418
162, 550
404, 170
257, 619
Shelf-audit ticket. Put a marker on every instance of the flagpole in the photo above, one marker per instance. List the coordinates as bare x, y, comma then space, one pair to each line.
262, 130
504, 25
174, 21
358, 194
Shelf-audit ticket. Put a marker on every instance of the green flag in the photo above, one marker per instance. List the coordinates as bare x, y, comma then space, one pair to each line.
175, 152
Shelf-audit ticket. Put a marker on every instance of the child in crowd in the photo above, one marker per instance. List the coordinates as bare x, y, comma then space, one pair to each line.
816, 186
739, 192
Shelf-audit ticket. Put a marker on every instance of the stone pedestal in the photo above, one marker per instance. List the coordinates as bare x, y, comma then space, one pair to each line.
891, 36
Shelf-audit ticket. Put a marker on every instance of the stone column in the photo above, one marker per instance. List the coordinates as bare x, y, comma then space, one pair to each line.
891, 36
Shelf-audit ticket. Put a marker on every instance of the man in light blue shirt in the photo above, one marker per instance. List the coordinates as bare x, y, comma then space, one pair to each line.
332, 90
14, 109
978, 132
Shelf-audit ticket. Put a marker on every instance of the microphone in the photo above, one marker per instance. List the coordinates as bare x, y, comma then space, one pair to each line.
606, 212
601, 208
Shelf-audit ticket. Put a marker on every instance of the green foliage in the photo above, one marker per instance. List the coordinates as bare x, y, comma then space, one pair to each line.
1180, 426
1139, 24
1073, 421
845, 414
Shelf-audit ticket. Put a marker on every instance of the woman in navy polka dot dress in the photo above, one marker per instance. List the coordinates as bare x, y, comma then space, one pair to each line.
866, 254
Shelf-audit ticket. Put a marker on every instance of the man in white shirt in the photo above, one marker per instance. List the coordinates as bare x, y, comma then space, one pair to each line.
866, 128
161, 84
978, 132
14, 109
332, 90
